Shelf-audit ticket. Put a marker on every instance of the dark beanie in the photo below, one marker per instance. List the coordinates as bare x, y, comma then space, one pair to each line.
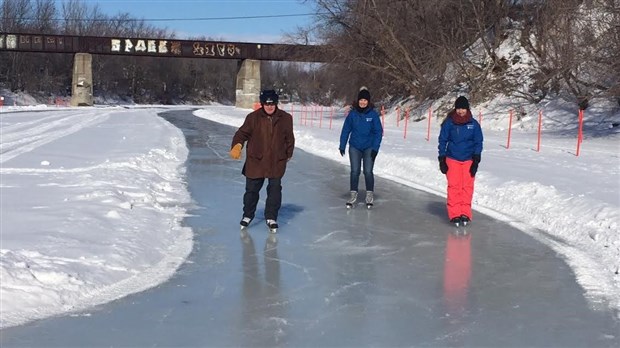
363, 94
461, 103
268, 96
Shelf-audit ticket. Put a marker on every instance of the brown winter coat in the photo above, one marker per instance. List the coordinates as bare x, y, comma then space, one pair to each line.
270, 143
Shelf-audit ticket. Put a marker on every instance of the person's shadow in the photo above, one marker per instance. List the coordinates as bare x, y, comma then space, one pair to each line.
263, 306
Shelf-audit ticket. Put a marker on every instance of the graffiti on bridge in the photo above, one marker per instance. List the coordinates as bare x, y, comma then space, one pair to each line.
153, 47
164, 47
150, 46
215, 50
125, 46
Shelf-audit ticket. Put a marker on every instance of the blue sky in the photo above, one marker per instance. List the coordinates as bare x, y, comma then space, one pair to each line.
250, 30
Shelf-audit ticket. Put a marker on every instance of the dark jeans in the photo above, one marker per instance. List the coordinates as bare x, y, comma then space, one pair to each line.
274, 197
356, 157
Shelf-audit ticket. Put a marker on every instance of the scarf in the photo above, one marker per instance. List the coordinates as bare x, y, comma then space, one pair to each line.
460, 119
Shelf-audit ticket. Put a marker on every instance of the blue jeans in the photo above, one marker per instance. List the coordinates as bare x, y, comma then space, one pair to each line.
356, 157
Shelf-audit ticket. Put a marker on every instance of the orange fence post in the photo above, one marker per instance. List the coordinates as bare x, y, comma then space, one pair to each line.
539, 129
509, 130
331, 116
428, 132
579, 132
480, 118
383, 119
305, 112
406, 122
301, 115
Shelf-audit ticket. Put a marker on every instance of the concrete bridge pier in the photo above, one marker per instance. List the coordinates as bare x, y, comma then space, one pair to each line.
248, 83
82, 83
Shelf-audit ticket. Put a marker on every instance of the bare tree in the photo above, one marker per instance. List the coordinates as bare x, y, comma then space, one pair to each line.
15, 15
406, 46
576, 46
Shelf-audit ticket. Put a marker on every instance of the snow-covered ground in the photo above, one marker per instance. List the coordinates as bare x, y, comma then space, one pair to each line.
91, 205
92, 198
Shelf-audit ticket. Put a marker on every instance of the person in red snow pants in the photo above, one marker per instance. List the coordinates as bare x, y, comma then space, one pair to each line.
460, 149
460, 188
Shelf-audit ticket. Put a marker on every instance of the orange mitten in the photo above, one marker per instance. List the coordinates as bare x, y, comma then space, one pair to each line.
235, 152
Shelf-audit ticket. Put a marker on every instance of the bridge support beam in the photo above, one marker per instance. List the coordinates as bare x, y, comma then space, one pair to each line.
82, 83
248, 83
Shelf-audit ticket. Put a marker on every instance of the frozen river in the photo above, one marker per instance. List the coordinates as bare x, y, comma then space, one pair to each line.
397, 275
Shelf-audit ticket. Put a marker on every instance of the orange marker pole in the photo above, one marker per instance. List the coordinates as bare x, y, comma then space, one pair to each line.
509, 130
428, 131
406, 122
383, 119
580, 132
539, 129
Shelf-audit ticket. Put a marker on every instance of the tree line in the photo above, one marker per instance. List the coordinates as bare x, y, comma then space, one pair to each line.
421, 49
426, 49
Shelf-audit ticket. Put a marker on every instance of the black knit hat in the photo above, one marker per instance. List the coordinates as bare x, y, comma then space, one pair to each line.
461, 103
363, 94
268, 96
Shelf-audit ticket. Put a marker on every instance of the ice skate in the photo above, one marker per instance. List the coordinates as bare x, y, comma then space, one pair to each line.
369, 199
245, 222
465, 220
272, 225
456, 221
352, 200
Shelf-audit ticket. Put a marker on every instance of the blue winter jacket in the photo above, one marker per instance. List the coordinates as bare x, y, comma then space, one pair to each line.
460, 141
363, 130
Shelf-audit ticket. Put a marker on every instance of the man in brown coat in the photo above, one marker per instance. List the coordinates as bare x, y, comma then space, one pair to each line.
270, 144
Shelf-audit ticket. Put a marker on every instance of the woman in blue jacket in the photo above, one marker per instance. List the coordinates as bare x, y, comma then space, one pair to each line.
363, 131
460, 147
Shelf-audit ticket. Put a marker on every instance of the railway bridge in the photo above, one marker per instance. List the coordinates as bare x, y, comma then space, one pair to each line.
248, 55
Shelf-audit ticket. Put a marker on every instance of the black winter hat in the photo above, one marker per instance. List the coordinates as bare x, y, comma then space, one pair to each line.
269, 96
363, 94
461, 103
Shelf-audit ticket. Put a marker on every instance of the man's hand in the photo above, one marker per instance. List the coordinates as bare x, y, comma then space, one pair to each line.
235, 152
341, 152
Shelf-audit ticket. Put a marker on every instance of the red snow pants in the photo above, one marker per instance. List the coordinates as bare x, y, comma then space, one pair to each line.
460, 188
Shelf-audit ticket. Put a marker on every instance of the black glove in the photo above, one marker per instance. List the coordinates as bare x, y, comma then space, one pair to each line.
443, 166
475, 159
473, 169
341, 152
373, 154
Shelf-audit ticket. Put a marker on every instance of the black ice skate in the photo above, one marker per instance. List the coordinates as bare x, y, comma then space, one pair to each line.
272, 225
465, 220
245, 222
